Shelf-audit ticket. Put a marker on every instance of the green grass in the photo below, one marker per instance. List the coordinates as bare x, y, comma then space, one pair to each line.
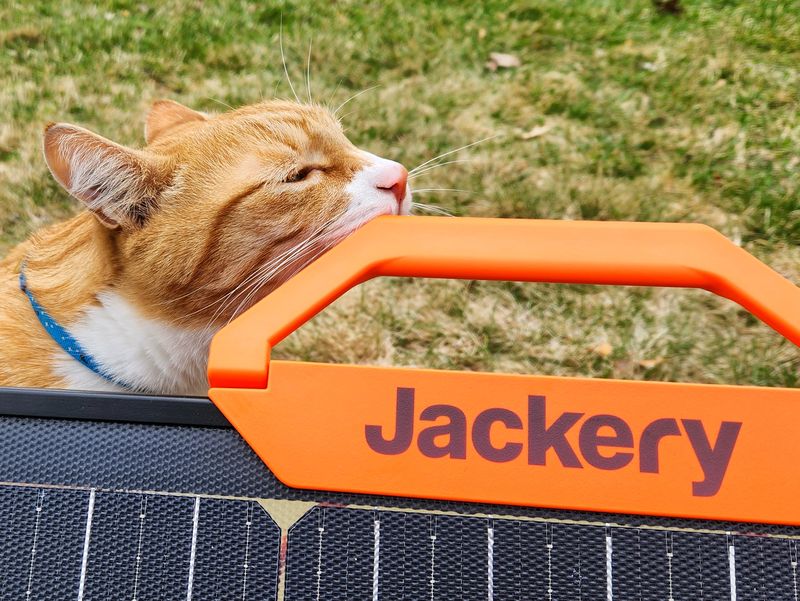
649, 117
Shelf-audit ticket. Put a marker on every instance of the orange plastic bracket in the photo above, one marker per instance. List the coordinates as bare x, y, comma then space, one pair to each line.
706, 451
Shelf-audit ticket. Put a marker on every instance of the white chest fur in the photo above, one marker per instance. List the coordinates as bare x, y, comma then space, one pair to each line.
144, 353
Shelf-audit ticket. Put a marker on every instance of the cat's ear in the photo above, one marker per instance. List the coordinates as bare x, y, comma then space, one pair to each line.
166, 114
121, 186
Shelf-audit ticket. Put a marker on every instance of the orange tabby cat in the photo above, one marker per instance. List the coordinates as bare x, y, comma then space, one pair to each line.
177, 239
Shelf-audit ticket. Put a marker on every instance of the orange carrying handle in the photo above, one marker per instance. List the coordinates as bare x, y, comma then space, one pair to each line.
718, 452
583, 252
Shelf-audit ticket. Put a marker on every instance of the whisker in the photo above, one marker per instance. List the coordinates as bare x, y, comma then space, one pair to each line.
237, 289
431, 209
273, 266
417, 191
448, 153
257, 279
345, 116
283, 59
312, 256
246, 284
220, 102
308, 71
267, 272
336, 89
354, 96
436, 166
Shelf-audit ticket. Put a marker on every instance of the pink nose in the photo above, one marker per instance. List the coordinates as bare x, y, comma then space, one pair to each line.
394, 178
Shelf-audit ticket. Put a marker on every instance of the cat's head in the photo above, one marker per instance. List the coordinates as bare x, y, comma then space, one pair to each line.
218, 210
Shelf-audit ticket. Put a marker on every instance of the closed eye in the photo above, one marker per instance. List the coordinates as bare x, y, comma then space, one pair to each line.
299, 175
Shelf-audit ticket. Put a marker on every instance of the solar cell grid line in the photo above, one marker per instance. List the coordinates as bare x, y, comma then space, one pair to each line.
81, 549
32, 563
138, 565
520, 560
668, 544
237, 552
653, 565
218, 553
490, 560
360, 542
715, 564
59, 544
330, 555
264, 555
462, 562
732, 565
193, 551
321, 531
578, 562
86, 540
609, 565
376, 556
404, 556
549, 543
685, 565
165, 547
433, 555
764, 568
112, 554
246, 565
626, 558
303, 557
349, 554
16, 537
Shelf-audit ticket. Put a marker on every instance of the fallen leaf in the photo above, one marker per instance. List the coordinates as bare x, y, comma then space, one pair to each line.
501, 60
650, 363
604, 349
537, 131
481, 33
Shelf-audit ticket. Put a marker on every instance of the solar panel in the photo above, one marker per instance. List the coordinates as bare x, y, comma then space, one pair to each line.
92, 509
62, 543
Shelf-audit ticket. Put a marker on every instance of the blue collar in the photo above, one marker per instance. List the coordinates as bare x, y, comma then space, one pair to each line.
62, 337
